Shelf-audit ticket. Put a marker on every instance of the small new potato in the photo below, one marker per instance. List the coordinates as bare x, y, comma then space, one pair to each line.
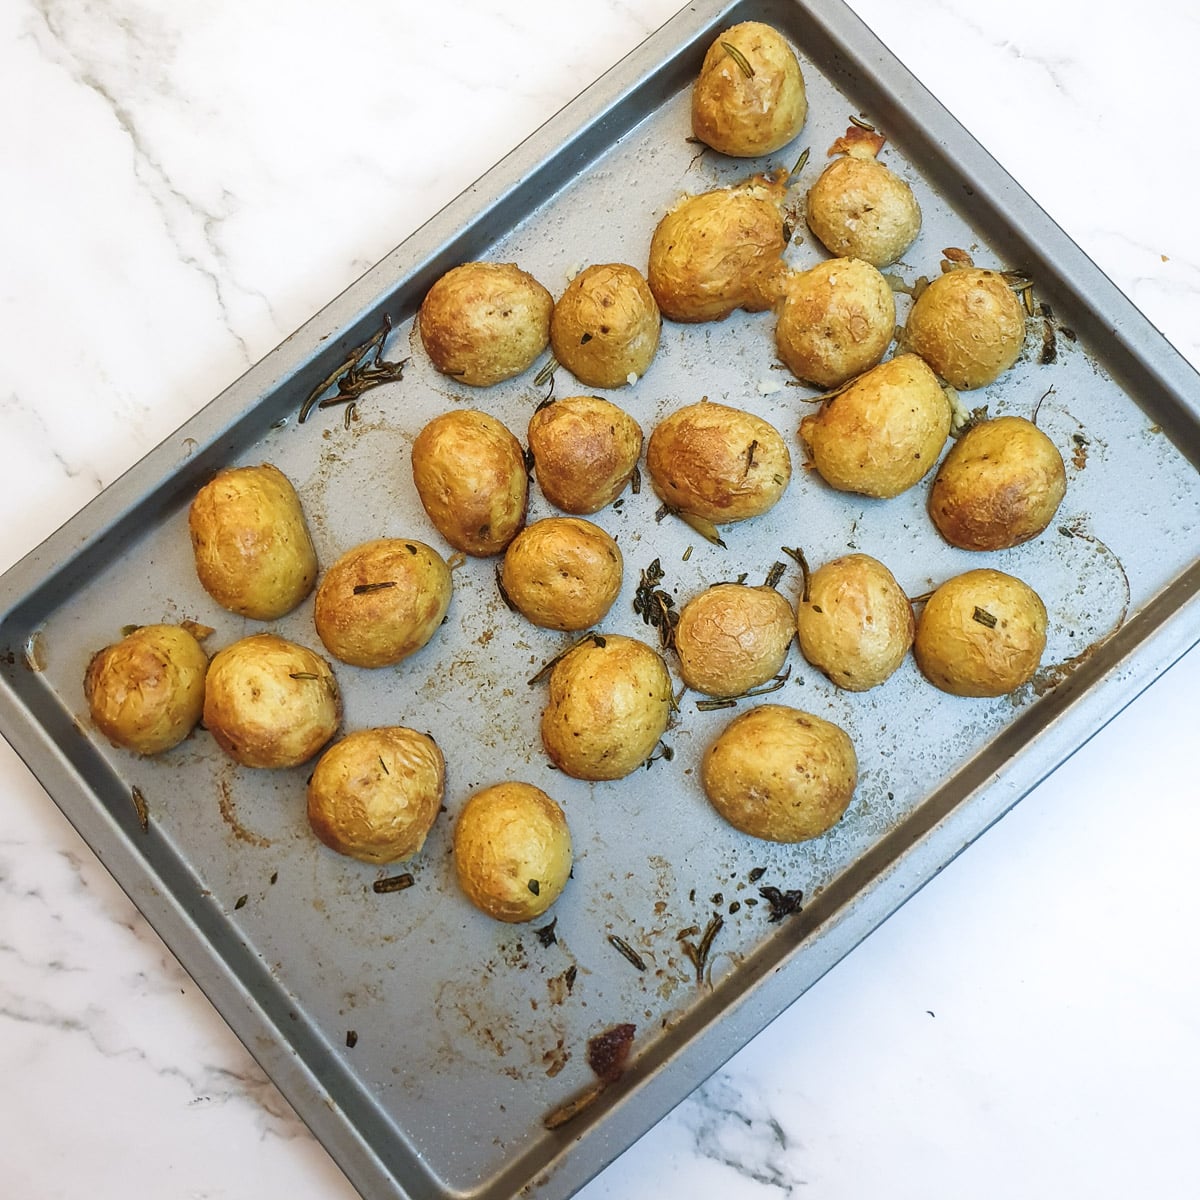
968, 325
375, 794
585, 450
860, 208
382, 601
883, 432
469, 471
269, 702
749, 100
718, 463
780, 774
484, 322
731, 638
855, 622
512, 851
981, 634
720, 251
253, 552
605, 326
999, 486
609, 703
835, 321
562, 573
146, 692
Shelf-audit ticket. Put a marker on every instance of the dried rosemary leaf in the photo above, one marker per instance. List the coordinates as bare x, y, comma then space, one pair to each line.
626, 951
738, 57
362, 588
393, 883
984, 617
139, 805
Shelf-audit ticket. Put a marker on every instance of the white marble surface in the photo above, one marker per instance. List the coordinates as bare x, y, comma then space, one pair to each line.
183, 186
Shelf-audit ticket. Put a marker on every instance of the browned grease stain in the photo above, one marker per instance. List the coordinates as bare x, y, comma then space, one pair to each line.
229, 816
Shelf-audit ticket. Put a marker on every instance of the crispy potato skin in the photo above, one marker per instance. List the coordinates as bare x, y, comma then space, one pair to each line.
146, 692
720, 251
375, 794
562, 573
608, 706
605, 326
253, 552
968, 325
378, 626
747, 115
883, 433
860, 208
835, 321
269, 702
780, 774
484, 322
717, 462
999, 486
966, 656
469, 471
731, 638
584, 452
512, 851
856, 624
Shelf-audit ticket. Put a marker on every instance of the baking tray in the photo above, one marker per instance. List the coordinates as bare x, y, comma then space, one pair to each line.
423, 1043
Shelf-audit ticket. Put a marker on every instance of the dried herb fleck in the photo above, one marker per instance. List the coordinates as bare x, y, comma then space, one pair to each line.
139, 806
626, 951
546, 935
360, 589
984, 617
303, 675
655, 606
535, 887
393, 883
240, 902
351, 1038
783, 903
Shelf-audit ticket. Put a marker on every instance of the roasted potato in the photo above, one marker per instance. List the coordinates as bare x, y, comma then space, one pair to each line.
835, 321
253, 552
382, 601
609, 704
605, 326
749, 98
981, 633
585, 451
512, 851
562, 573
731, 638
718, 463
269, 702
777, 773
882, 432
375, 793
484, 322
470, 475
720, 251
146, 692
855, 622
968, 325
1000, 485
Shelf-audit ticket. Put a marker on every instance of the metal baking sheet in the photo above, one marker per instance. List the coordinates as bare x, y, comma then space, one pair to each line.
422, 1042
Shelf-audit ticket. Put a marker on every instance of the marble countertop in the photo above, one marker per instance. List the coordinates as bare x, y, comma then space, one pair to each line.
184, 186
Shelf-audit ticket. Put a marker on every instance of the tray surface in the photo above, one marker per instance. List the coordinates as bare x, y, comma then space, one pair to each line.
449, 1013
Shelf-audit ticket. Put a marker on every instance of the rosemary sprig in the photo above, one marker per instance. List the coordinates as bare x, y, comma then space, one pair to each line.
364, 368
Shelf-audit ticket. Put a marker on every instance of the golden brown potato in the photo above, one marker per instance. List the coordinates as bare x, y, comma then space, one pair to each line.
731, 638
777, 773
605, 326
269, 702
382, 601
512, 851
609, 703
484, 322
999, 486
881, 433
749, 98
469, 472
860, 208
855, 622
562, 573
146, 692
720, 251
375, 794
718, 463
253, 552
836, 320
585, 451
968, 325
981, 634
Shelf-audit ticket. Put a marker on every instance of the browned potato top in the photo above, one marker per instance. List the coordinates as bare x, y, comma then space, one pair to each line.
860, 208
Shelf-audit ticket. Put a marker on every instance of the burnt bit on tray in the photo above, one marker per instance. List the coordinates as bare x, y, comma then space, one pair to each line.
783, 903
351, 1038
229, 815
608, 1052
546, 935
